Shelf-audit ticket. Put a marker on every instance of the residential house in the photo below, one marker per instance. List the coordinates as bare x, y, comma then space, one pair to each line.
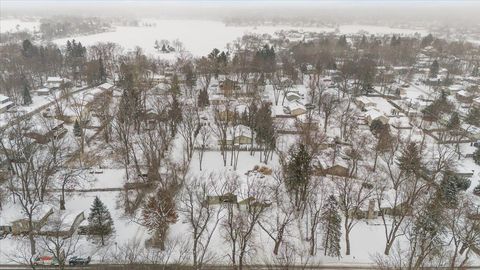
61, 226
364, 102
21, 226
253, 203
373, 114
221, 199
476, 102
54, 83
105, 87
228, 87
45, 132
291, 96
464, 96
43, 92
239, 135
5, 103
296, 109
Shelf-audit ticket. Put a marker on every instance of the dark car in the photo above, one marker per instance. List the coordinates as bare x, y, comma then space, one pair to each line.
79, 260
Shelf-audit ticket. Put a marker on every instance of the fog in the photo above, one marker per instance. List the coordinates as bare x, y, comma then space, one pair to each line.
398, 12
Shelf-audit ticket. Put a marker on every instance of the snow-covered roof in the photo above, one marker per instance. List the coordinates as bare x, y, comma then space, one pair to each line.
456, 87
43, 90
3, 98
6, 104
365, 100
374, 114
463, 93
105, 86
296, 106
54, 79
240, 130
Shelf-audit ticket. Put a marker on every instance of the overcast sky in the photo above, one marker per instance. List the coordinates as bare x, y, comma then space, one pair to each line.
408, 10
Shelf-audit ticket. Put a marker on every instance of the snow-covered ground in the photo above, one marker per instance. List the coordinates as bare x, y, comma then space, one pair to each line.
15, 25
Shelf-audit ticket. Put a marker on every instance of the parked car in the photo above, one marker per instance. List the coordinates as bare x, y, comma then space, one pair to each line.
45, 260
75, 260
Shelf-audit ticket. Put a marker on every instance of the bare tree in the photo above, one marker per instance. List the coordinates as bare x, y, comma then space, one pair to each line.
202, 216
241, 218
277, 218
353, 195
204, 136
58, 244
188, 128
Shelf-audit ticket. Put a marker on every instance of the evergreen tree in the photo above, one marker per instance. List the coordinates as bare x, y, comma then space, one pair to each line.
100, 222
175, 86
77, 130
298, 171
203, 99
434, 68
411, 159
102, 73
427, 40
342, 42
332, 228
449, 192
28, 49
27, 99
454, 121
473, 117
476, 71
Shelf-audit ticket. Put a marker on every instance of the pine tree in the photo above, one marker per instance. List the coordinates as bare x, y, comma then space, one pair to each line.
411, 159
298, 172
27, 99
473, 117
449, 192
434, 68
332, 228
77, 130
100, 222
102, 73
454, 121
203, 99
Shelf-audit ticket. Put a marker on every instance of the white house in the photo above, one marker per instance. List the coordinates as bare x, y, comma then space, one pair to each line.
105, 86
296, 109
43, 91
54, 82
5, 103
364, 102
373, 114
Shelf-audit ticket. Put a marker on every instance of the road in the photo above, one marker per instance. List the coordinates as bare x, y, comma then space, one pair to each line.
210, 267
175, 267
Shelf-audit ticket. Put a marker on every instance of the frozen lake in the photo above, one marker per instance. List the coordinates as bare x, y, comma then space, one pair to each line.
200, 37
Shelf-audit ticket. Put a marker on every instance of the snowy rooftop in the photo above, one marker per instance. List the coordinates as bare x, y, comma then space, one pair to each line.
54, 79
3, 98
